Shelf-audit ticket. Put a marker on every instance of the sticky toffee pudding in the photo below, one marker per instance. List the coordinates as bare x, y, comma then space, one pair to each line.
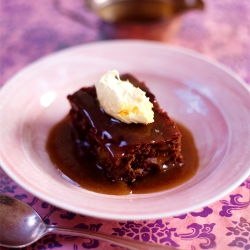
104, 155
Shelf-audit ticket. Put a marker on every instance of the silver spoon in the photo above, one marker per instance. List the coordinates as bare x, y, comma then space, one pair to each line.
21, 226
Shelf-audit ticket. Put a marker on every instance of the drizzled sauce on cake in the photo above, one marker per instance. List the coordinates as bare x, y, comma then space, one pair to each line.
104, 155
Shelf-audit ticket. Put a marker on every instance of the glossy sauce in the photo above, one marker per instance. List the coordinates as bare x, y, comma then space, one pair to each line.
140, 11
84, 172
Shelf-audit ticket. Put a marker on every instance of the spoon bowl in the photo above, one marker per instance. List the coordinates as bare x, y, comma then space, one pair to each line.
21, 226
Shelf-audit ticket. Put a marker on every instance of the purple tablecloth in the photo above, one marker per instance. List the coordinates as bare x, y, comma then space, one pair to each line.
30, 30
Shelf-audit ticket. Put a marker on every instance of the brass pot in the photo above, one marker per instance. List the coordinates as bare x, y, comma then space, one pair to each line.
141, 19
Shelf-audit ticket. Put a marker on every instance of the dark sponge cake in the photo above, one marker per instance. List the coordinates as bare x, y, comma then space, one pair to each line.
124, 151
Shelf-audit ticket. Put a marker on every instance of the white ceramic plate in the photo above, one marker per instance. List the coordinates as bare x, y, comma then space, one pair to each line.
204, 96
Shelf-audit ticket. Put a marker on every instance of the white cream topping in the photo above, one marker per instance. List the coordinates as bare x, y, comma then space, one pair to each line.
121, 100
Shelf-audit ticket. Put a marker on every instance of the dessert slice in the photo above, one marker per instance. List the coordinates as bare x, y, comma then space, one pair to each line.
124, 151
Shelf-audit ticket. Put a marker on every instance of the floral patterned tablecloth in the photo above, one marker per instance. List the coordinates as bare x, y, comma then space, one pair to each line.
32, 29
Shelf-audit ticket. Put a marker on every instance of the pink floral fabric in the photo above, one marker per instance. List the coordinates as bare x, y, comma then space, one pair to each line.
30, 30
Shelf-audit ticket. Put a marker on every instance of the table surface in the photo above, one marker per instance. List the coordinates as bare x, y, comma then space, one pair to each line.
30, 30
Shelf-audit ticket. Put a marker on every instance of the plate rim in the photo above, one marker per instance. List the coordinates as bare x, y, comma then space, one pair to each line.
173, 48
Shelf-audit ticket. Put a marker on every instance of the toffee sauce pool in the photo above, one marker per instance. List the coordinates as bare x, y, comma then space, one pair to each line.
83, 170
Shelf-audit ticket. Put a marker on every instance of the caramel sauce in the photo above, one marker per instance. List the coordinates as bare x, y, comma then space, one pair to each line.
140, 11
84, 172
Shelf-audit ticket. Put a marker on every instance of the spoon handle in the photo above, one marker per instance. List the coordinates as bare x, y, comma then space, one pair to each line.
116, 240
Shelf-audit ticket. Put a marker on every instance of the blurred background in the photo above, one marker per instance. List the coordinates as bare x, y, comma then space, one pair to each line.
30, 30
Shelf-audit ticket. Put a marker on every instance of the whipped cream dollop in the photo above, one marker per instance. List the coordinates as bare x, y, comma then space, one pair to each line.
121, 100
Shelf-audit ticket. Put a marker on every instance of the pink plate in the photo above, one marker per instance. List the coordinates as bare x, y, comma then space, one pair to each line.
206, 97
